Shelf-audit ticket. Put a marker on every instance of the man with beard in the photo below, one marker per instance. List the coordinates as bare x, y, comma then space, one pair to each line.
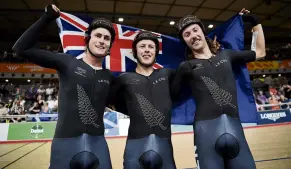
144, 95
79, 137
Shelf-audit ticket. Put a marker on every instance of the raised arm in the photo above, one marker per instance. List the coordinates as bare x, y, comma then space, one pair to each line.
258, 39
24, 45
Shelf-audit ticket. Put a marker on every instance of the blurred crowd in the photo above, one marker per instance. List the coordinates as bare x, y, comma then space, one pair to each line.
28, 99
272, 93
279, 52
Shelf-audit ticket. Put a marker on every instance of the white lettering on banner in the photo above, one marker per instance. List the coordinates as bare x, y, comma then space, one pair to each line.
37, 131
273, 116
33, 68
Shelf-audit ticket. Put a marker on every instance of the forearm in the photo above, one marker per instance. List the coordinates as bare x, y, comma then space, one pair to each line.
30, 36
24, 45
258, 41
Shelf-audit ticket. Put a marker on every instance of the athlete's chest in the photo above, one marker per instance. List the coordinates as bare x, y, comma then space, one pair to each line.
156, 81
214, 67
84, 75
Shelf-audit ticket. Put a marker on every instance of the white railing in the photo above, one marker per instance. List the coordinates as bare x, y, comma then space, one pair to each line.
121, 116
37, 117
271, 105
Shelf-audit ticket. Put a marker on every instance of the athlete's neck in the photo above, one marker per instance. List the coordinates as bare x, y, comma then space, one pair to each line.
146, 71
205, 53
92, 60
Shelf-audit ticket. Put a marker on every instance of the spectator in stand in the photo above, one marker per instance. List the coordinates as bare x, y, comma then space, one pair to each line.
40, 100
10, 104
35, 109
268, 80
263, 99
45, 110
30, 94
41, 90
283, 99
274, 100
49, 90
51, 103
55, 109
17, 109
3, 112
17, 91
287, 90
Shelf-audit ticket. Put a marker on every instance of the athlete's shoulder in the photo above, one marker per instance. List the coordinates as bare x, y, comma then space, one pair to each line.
165, 70
183, 63
228, 52
126, 75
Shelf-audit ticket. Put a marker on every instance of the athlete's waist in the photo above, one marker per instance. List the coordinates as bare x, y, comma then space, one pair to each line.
69, 131
204, 115
136, 134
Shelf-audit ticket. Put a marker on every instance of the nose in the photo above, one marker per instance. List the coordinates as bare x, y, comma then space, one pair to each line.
101, 40
147, 50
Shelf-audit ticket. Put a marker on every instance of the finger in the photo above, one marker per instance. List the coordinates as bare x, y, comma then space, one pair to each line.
242, 10
55, 8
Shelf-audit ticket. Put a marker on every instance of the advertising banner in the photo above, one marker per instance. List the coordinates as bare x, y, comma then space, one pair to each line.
264, 65
3, 131
31, 131
276, 116
46, 130
24, 68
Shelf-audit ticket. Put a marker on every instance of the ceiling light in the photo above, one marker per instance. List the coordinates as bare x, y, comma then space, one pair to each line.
120, 19
172, 23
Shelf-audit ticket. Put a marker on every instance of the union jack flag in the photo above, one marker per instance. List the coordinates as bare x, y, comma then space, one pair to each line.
72, 33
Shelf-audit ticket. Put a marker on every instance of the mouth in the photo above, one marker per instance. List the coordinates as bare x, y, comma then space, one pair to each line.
100, 47
146, 56
195, 42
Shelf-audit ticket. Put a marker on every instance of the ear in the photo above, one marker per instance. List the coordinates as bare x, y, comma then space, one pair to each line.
87, 37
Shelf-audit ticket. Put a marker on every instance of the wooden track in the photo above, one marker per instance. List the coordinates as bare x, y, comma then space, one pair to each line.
270, 145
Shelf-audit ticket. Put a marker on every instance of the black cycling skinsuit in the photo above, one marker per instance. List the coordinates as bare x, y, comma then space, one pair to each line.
219, 136
79, 137
147, 101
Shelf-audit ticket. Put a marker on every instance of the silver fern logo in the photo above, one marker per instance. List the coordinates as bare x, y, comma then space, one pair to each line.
152, 116
86, 110
220, 96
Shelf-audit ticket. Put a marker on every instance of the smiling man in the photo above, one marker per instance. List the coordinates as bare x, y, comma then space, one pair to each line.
145, 97
79, 137
219, 135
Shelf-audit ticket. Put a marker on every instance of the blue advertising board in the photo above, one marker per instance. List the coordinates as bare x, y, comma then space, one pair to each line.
275, 116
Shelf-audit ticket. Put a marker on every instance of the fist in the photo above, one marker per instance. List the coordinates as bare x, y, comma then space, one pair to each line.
244, 11
55, 8
52, 11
